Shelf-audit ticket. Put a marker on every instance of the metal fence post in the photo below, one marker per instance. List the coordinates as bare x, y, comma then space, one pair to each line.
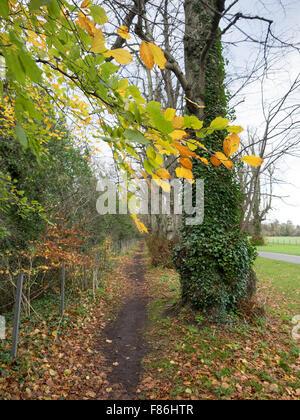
62, 290
17, 311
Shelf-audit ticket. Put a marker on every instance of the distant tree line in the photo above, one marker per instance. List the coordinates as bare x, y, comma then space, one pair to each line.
280, 229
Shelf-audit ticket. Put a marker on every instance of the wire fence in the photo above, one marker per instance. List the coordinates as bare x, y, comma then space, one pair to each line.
65, 278
282, 240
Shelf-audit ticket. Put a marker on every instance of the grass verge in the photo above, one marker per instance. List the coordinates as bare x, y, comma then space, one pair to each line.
245, 360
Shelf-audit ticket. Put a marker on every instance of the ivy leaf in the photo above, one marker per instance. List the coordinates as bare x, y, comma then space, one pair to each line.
135, 136
21, 136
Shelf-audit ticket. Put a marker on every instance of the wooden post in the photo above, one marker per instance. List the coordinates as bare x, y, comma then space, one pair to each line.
84, 278
94, 281
17, 311
62, 290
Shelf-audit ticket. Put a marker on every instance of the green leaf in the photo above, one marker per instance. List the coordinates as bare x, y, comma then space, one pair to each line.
74, 52
148, 167
4, 9
54, 9
135, 136
191, 121
31, 69
15, 67
151, 153
234, 129
21, 135
219, 123
36, 4
24, 103
98, 14
107, 69
154, 110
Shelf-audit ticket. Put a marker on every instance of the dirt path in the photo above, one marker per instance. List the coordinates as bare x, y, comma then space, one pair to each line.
124, 346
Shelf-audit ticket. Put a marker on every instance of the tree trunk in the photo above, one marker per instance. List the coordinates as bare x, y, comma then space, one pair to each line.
214, 259
257, 237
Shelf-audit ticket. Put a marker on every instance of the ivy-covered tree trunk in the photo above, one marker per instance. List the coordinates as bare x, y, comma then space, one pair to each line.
214, 260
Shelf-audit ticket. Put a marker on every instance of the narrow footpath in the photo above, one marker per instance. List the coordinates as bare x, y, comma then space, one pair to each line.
280, 257
124, 345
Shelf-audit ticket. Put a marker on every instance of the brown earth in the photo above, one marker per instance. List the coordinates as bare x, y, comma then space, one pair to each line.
124, 346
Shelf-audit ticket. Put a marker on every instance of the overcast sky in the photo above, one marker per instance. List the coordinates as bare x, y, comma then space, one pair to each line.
286, 17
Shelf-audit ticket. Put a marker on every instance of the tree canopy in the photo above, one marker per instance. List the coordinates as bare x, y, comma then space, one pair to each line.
60, 47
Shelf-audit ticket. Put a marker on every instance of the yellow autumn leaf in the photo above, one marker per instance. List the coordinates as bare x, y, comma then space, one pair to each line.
158, 55
163, 173
184, 150
204, 160
120, 55
215, 161
178, 122
123, 32
141, 227
184, 173
165, 186
98, 42
177, 134
223, 159
86, 24
186, 163
231, 144
192, 147
201, 145
146, 55
169, 114
84, 4
253, 160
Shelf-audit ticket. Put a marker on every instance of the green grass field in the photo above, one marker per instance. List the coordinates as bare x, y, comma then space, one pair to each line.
283, 279
282, 245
